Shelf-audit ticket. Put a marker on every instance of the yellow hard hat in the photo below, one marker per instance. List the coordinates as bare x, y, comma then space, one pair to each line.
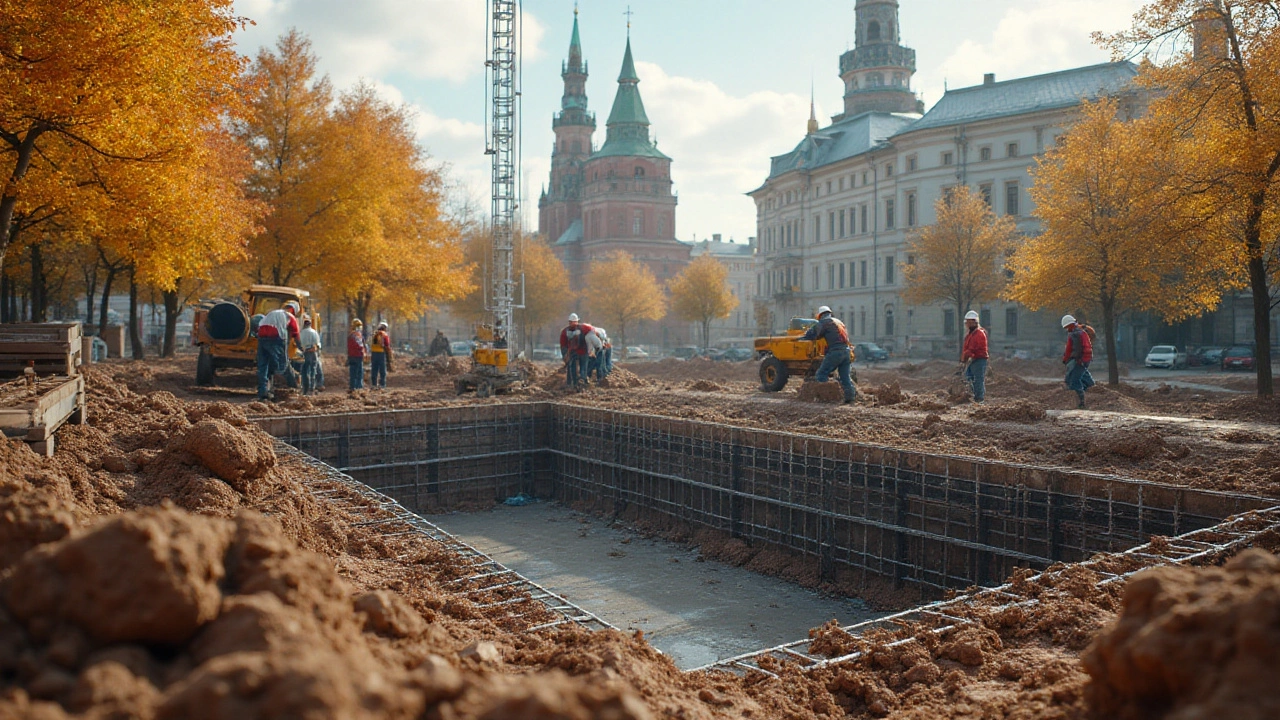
357, 323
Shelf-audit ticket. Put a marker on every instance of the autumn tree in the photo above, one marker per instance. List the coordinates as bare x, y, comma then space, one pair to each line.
542, 283
622, 292
960, 258
293, 145
700, 294
1113, 240
1215, 77
116, 81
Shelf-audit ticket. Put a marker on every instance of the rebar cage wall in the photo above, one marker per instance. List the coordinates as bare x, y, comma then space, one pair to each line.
858, 511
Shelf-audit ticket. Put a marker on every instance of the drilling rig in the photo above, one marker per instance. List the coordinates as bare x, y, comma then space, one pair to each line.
491, 368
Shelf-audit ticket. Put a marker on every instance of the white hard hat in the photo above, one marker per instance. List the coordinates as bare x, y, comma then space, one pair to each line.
291, 305
823, 309
1068, 320
573, 317
971, 315
382, 324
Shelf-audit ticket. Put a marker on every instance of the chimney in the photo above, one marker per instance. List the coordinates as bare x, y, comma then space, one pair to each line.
715, 237
989, 79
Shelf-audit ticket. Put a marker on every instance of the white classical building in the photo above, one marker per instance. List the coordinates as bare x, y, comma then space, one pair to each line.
739, 329
834, 216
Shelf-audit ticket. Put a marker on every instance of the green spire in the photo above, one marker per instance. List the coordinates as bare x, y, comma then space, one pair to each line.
628, 73
575, 43
628, 125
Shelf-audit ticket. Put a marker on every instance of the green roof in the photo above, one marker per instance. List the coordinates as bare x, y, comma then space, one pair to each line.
628, 125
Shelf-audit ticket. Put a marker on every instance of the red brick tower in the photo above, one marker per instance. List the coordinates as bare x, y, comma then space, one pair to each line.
561, 204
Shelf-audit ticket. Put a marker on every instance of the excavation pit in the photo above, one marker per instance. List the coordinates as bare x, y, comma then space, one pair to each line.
863, 519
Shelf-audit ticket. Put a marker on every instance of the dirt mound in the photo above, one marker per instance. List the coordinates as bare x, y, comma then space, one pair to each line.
441, 367
887, 394
1130, 444
623, 378
820, 392
1022, 411
1201, 642
238, 456
705, 386
698, 368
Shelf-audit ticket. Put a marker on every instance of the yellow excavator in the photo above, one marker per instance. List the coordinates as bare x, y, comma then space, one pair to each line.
782, 356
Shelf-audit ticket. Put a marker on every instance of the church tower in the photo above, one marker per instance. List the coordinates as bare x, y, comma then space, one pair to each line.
561, 204
877, 71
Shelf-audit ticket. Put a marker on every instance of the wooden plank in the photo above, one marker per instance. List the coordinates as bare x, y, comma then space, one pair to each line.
43, 447
18, 347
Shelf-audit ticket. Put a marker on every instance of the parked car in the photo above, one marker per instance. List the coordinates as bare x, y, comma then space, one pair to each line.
460, 348
870, 352
1238, 357
636, 353
685, 353
545, 354
711, 353
738, 354
1207, 356
1165, 356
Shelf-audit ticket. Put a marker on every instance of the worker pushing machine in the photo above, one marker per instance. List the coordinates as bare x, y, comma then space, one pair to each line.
837, 358
274, 332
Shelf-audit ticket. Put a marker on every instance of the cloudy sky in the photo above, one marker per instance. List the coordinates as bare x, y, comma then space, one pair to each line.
725, 82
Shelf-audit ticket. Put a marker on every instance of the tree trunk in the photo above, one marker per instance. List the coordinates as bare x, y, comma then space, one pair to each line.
1109, 335
135, 332
106, 299
171, 312
4, 298
39, 293
622, 335
90, 294
1261, 325
9, 198
706, 333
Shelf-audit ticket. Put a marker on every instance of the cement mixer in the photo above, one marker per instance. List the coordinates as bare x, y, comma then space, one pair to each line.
226, 330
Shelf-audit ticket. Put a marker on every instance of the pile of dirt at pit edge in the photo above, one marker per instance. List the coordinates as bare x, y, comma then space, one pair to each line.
1020, 411
820, 392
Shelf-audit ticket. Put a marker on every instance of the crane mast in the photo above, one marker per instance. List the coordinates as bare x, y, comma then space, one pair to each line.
504, 150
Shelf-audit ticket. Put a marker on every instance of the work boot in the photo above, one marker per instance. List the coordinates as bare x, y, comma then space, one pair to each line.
850, 400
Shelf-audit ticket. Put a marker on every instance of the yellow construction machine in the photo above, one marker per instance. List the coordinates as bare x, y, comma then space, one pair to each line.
226, 330
786, 355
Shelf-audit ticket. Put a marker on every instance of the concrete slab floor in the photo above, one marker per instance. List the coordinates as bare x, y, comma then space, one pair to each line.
695, 611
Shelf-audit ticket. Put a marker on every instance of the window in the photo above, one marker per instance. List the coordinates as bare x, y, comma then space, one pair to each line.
948, 323
864, 219
984, 154
1011, 198
841, 223
984, 317
911, 164
888, 214
1011, 322
948, 158
864, 178
841, 184
639, 171
577, 146
911, 259
662, 226
889, 267
1011, 150
842, 275
831, 224
828, 187
985, 191
911, 209
862, 321
815, 278
831, 276
888, 170
817, 228
873, 30
862, 270
888, 321
637, 223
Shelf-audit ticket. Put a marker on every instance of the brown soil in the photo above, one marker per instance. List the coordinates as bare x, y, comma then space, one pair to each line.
165, 563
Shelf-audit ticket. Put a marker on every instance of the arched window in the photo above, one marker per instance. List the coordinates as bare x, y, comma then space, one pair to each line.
577, 146
875, 80
888, 320
639, 171
873, 30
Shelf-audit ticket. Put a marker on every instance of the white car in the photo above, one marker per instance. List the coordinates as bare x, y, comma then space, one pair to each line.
1165, 356
636, 353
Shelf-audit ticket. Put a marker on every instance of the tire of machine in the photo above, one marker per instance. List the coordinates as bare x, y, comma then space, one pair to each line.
205, 372
484, 389
460, 386
773, 374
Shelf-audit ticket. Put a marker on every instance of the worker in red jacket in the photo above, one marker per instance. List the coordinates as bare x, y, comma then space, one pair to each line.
975, 356
573, 349
356, 353
274, 332
1077, 356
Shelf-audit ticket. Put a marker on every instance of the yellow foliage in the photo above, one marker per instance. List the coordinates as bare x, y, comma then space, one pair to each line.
621, 292
960, 258
700, 293
1214, 73
545, 292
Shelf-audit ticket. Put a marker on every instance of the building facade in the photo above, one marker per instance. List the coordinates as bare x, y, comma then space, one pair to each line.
835, 214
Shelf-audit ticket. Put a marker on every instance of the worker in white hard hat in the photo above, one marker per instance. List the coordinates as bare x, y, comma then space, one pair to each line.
975, 356
838, 358
573, 348
275, 331
1077, 356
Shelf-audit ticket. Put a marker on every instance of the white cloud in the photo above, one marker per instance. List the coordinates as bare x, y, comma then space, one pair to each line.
1034, 37
720, 144
433, 39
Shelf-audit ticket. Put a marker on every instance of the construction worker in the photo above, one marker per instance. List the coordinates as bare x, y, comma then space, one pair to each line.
379, 357
975, 356
1077, 356
573, 349
274, 332
605, 364
309, 344
356, 353
595, 354
838, 358
439, 345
